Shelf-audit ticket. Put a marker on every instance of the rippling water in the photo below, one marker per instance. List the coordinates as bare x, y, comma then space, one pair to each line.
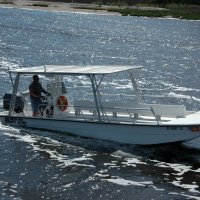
48, 165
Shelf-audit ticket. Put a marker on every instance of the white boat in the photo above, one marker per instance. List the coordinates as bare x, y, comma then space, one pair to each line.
132, 122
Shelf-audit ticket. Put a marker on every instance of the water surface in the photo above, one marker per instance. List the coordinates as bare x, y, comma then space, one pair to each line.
49, 165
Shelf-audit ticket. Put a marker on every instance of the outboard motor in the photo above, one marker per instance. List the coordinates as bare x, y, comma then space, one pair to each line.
19, 102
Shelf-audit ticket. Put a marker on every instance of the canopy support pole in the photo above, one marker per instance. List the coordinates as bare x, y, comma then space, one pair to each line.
99, 96
10, 78
13, 99
92, 79
135, 87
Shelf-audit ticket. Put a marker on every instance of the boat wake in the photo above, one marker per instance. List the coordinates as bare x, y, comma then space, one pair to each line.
169, 169
49, 146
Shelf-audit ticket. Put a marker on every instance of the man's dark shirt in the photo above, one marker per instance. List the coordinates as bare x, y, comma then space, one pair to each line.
37, 89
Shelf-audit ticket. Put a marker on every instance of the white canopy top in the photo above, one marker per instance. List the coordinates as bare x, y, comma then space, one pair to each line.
75, 69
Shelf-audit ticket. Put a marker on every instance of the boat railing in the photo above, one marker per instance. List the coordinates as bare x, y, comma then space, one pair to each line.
114, 113
135, 114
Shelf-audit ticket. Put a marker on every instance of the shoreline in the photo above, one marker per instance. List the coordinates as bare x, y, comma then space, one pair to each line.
57, 7
172, 11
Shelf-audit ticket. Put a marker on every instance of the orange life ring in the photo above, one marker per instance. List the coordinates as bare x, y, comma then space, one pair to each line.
62, 103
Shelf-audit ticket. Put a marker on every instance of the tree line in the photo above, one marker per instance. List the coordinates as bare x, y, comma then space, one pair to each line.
164, 2
132, 2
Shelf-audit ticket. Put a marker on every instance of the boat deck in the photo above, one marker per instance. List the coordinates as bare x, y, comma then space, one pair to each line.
109, 117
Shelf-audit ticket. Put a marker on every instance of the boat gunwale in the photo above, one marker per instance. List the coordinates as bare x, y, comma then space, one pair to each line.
103, 122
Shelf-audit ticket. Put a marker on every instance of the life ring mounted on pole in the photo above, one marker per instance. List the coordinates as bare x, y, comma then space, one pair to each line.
62, 103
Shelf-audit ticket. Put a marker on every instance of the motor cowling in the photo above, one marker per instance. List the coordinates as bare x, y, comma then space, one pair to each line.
19, 102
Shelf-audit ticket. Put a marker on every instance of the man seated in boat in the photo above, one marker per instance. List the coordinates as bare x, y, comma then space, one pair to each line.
35, 90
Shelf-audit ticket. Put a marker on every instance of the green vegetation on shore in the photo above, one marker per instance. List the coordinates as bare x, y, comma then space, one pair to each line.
6, 2
40, 4
149, 8
191, 12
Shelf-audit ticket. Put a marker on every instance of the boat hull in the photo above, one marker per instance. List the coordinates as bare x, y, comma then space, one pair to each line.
123, 133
